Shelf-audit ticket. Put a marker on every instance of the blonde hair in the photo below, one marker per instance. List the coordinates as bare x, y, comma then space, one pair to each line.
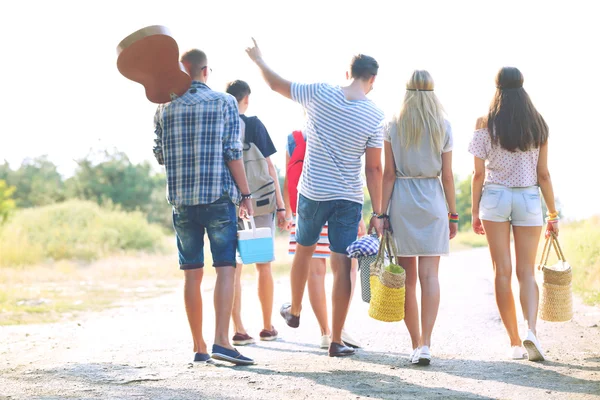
421, 111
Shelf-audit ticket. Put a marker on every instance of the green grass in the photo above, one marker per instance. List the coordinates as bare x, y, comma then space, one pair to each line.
580, 242
74, 230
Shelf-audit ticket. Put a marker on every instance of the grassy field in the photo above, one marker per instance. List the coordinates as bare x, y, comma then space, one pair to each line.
38, 288
580, 242
75, 230
61, 289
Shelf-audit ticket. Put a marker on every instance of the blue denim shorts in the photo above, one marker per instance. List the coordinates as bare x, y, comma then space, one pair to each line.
519, 206
219, 220
342, 217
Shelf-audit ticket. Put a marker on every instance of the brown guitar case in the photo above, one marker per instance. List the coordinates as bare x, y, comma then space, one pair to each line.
150, 57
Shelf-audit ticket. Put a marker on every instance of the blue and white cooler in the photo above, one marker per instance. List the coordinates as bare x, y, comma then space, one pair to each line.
256, 245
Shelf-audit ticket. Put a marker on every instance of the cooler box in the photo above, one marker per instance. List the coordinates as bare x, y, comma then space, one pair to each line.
256, 245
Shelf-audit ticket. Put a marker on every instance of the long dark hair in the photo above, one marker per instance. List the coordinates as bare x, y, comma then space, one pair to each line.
513, 122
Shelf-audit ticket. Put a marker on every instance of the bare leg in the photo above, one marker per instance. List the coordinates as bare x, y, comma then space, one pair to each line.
527, 239
430, 296
316, 292
265, 293
411, 307
342, 288
498, 236
299, 275
236, 312
223, 300
353, 274
193, 306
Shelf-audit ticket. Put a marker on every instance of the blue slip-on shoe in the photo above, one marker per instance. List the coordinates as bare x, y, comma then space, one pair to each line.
203, 357
233, 356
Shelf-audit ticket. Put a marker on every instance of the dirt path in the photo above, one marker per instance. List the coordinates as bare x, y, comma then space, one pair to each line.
143, 351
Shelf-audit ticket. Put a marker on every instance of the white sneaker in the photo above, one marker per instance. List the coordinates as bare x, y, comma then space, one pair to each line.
534, 350
325, 341
517, 353
414, 356
349, 341
424, 356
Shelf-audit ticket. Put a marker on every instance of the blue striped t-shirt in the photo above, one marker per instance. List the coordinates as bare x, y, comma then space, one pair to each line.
338, 131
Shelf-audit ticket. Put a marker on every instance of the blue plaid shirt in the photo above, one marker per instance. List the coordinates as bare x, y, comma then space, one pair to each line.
196, 135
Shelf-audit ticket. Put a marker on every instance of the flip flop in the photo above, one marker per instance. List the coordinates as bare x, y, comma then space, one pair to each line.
233, 356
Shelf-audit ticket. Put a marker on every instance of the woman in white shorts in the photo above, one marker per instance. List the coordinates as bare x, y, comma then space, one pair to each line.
511, 166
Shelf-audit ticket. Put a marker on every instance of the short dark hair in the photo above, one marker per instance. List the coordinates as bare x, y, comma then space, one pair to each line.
363, 67
196, 59
513, 122
238, 89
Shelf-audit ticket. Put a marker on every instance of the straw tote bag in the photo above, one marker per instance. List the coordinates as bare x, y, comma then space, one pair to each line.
556, 301
387, 287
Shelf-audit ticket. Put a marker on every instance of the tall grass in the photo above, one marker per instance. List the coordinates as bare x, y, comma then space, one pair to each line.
74, 230
580, 242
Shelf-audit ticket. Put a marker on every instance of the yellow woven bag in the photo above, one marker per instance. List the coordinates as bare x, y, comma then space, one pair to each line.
387, 288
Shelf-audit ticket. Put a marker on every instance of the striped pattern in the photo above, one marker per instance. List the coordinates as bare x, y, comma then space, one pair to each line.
338, 132
196, 135
322, 250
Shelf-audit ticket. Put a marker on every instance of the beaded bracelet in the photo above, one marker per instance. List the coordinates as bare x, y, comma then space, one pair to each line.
453, 217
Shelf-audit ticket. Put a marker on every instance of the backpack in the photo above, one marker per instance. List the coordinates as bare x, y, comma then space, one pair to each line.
260, 182
294, 168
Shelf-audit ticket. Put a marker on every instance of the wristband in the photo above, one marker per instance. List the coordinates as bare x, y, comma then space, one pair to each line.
383, 216
552, 215
246, 196
452, 217
281, 210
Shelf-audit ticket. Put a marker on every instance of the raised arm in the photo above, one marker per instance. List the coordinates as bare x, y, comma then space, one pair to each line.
275, 82
545, 182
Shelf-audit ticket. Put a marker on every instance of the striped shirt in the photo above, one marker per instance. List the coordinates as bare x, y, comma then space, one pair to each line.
338, 132
196, 135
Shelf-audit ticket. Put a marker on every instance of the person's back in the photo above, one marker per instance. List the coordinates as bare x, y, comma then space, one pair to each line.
198, 142
511, 166
195, 152
338, 132
420, 160
342, 126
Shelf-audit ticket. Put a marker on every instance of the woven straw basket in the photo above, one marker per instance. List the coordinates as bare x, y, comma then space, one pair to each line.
556, 301
387, 289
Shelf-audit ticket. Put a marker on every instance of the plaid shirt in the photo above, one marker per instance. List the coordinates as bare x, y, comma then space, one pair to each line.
196, 135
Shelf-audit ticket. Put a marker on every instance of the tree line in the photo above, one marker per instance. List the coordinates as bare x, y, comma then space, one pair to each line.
110, 178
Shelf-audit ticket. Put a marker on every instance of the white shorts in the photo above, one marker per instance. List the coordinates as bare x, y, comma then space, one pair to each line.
519, 206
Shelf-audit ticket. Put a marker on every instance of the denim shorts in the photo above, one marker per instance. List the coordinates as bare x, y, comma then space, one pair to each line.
219, 221
342, 217
519, 206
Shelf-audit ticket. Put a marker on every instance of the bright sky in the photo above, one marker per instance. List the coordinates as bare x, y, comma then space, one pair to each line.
63, 95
